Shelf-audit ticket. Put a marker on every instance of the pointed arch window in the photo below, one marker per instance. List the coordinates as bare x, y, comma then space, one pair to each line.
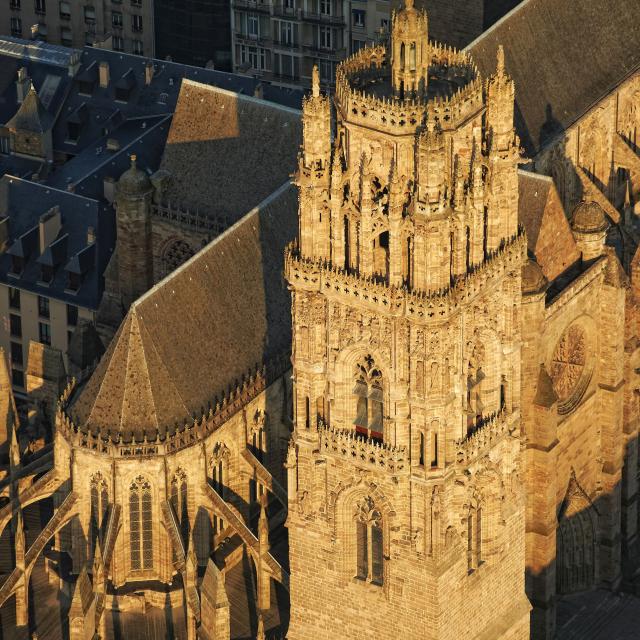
141, 524
179, 501
474, 537
369, 542
368, 391
99, 505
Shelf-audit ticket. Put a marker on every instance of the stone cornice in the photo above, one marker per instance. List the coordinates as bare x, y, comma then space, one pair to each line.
423, 307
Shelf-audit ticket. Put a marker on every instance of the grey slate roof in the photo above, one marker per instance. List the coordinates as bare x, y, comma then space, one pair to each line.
202, 328
564, 56
226, 152
24, 202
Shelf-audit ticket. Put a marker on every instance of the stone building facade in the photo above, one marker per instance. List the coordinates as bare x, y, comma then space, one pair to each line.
424, 427
406, 512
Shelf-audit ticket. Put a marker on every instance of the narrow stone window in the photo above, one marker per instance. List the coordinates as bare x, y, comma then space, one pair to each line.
179, 497
434, 448
141, 524
99, 505
369, 400
369, 542
474, 538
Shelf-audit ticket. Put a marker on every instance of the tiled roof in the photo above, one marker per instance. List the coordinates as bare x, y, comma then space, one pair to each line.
202, 328
564, 56
549, 236
31, 115
226, 152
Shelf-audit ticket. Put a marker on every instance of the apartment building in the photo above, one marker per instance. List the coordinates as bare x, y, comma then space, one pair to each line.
280, 40
121, 25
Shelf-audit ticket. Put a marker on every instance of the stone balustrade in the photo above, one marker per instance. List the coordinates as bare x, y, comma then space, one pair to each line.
483, 437
182, 436
189, 219
360, 451
399, 116
421, 306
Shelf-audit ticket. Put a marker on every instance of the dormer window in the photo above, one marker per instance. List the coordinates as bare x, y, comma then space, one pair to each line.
46, 274
125, 86
17, 265
85, 87
74, 282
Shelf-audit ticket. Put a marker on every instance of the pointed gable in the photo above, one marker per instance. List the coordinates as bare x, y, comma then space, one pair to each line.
131, 392
549, 236
32, 115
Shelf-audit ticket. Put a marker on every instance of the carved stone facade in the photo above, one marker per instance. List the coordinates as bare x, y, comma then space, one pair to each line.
406, 510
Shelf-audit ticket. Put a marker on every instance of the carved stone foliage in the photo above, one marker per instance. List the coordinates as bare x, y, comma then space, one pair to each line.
568, 362
366, 511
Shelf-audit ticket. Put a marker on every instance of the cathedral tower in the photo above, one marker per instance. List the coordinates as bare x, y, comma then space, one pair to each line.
406, 513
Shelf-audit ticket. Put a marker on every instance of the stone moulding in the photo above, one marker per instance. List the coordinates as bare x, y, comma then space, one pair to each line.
419, 306
401, 116
360, 451
219, 412
484, 437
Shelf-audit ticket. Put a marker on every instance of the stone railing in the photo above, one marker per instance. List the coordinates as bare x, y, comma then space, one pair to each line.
483, 436
161, 443
194, 221
405, 115
433, 306
353, 447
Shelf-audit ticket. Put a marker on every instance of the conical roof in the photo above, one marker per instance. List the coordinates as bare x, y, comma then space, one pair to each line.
131, 392
32, 115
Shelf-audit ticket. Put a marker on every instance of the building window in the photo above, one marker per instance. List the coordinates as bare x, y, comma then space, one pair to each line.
325, 38
136, 23
99, 505
65, 10
474, 538
179, 502
136, 3
72, 315
254, 56
286, 66
141, 524
15, 5
4, 144
16, 353
327, 71
290, 4
325, 7
253, 26
44, 333
43, 307
17, 378
16, 27
65, 37
14, 298
177, 253
287, 32
118, 43
137, 47
15, 325
41, 6
90, 15
356, 45
368, 393
116, 19
384, 25
359, 18
369, 542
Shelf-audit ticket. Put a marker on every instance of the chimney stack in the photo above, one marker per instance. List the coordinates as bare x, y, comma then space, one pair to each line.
23, 84
50, 225
91, 235
104, 75
148, 72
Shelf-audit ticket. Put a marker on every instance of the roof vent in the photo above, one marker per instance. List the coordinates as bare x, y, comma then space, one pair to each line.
23, 84
113, 144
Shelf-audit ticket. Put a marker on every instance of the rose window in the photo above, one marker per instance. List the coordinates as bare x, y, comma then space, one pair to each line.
569, 370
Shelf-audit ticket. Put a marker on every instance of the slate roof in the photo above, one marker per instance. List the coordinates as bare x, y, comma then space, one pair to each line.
549, 236
23, 202
226, 152
564, 56
195, 333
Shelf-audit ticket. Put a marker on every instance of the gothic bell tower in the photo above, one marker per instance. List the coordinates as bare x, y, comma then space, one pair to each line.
406, 514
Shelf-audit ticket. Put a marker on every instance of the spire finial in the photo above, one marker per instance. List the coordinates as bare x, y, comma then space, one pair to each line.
315, 81
133, 157
408, 4
500, 61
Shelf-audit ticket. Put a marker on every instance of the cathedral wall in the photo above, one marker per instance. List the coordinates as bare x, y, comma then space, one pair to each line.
172, 245
592, 145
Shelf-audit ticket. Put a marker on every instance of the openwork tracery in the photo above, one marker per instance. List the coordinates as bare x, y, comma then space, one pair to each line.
369, 541
368, 391
179, 501
99, 506
174, 255
141, 524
